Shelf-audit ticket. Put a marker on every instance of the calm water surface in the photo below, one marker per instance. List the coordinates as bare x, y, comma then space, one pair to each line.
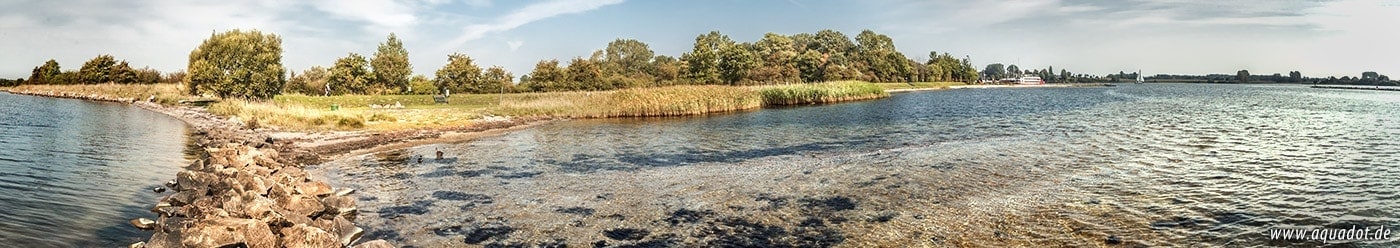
74, 172
1152, 165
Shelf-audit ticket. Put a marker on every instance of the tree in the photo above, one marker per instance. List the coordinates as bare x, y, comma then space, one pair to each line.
460, 74
666, 69
421, 85
1295, 76
585, 74
1013, 70
122, 73
351, 75
98, 70
627, 57
994, 71
547, 76
777, 58
735, 61
391, 66
882, 63
147, 75
704, 58
241, 64
499, 78
312, 81
1370, 75
45, 74
1242, 76
811, 66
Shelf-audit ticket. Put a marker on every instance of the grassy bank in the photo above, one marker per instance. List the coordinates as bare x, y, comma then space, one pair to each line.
398, 112
820, 93
166, 94
299, 112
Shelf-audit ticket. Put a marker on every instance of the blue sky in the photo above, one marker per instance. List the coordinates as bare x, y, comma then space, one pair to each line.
1319, 38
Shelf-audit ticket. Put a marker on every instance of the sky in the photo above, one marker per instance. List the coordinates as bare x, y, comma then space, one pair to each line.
1315, 37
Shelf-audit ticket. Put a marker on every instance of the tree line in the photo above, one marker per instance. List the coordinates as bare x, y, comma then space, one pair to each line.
99, 70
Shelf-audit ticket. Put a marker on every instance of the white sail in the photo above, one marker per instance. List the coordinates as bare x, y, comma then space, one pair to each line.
1139, 76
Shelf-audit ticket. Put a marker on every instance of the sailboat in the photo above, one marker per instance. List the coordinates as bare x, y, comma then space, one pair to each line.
1139, 77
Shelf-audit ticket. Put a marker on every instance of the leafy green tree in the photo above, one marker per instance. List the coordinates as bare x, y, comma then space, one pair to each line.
547, 76
421, 85
391, 66
122, 73
1013, 70
627, 57
1295, 76
497, 79
460, 74
241, 64
735, 62
312, 81
585, 74
147, 75
46, 73
778, 58
994, 71
811, 66
1242, 76
666, 69
883, 63
98, 70
351, 75
703, 60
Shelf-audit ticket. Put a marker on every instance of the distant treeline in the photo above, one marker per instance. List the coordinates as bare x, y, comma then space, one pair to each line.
1243, 76
101, 69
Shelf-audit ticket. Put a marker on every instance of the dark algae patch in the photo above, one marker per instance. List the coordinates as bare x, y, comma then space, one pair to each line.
576, 210
461, 196
487, 232
417, 208
833, 203
626, 233
687, 216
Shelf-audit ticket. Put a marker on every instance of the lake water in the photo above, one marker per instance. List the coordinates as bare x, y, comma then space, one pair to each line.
1140, 165
74, 172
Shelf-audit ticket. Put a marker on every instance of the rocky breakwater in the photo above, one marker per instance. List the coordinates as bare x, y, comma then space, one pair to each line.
243, 194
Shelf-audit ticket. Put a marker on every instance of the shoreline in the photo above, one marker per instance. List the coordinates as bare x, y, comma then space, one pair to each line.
249, 187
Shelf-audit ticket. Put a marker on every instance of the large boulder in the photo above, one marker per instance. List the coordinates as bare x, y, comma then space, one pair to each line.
302, 235
226, 232
315, 188
341, 227
338, 205
302, 205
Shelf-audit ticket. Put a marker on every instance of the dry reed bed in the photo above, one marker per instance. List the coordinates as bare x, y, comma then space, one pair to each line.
313, 113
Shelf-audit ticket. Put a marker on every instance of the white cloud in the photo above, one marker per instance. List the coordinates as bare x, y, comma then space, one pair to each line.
526, 15
380, 14
514, 45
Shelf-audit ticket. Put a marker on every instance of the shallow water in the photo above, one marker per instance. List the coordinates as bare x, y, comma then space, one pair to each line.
1148, 165
74, 172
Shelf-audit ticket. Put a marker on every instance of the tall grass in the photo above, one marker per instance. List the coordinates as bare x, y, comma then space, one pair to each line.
820, 93
166, 94
636, 102
314, 113
286, 116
